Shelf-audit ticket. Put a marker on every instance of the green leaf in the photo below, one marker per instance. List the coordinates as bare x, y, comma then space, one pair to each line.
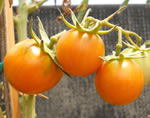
125, 3
147, 42
148, 1
82, 9
1, 113
1, 66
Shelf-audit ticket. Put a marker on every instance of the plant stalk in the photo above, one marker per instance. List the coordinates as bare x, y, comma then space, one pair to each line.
119, 44
29, 106
21, 20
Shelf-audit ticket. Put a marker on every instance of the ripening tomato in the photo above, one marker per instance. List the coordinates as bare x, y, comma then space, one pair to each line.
119, 82
78, 52
29, 69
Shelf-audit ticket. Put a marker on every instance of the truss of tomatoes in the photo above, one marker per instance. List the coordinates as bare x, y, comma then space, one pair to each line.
32, 68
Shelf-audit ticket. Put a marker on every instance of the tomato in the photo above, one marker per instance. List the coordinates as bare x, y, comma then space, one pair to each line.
119, 82
29, 69
78, 52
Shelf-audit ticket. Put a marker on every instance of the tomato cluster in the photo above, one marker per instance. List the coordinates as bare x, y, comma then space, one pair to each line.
31, 69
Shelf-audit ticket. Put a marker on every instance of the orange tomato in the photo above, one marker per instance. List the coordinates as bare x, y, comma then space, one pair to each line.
29, 69
78, 52
119, 82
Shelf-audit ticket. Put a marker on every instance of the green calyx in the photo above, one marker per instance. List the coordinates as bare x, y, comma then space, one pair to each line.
123, 55
87, 25
131, 52
46, 44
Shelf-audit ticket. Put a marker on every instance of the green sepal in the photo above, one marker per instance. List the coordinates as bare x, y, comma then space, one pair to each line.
65, 21
43, 45
1, 66
126, 54
142, 47
34, 36
52, 54
43, 32
78, 26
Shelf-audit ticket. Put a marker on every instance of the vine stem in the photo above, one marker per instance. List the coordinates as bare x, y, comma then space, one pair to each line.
53, 39
125, 32
20, 21
119, 44
29, 106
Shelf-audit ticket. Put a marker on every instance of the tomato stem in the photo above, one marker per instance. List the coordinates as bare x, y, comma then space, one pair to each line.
54, 39
119, 44
29, 106
116, 12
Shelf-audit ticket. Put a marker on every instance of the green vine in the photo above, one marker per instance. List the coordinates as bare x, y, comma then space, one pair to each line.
20, 21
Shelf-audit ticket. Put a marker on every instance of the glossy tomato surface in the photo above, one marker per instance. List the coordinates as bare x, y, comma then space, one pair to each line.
29, 69
78, 52
119, 82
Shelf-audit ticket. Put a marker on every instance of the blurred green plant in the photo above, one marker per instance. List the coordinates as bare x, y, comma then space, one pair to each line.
1, 5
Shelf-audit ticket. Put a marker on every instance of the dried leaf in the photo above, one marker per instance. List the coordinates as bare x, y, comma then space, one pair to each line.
66, 6
10, 2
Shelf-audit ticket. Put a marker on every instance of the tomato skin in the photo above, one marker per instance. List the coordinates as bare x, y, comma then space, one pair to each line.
119, 82
30, 70
78, 52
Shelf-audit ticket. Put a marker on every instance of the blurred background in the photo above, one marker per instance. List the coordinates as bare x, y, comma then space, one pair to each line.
91, 2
